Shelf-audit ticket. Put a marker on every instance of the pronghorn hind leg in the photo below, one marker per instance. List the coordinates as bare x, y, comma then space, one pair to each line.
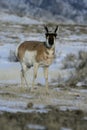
35, 75
46, 78
23, 77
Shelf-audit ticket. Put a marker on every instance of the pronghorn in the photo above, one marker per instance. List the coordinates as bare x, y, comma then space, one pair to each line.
37, 53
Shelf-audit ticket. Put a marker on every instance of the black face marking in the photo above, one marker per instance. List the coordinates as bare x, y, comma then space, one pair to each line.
51, 40
50, 37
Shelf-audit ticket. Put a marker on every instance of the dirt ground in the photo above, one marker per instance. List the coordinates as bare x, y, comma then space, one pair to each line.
53, 120
64, 108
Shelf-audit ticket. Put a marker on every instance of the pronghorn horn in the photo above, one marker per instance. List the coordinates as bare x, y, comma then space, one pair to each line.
46, 29
56, 29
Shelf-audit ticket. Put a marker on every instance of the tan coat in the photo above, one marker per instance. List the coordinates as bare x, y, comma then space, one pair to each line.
42, 55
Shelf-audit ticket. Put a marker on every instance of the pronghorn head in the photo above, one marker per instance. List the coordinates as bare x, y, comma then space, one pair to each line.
50, 37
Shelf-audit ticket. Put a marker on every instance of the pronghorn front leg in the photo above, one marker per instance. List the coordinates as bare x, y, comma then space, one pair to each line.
46, 77
35, 75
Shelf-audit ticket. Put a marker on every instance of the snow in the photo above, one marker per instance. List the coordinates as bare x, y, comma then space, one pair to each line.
65, 108
20, 106
5, 52
76, 37
36, 127
64, 128
4, 17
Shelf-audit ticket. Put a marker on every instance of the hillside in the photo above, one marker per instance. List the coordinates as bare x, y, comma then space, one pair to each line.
66, 11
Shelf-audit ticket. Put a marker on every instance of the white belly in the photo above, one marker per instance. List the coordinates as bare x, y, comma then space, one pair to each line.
29, 57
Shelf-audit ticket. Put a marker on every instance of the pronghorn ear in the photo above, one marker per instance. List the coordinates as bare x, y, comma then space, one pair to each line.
46, 28
57, 28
